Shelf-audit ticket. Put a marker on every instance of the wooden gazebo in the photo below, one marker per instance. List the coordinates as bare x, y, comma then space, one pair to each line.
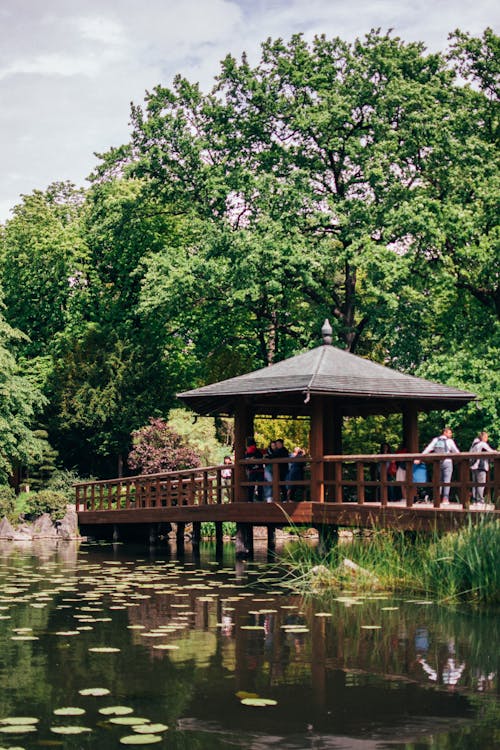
326, 384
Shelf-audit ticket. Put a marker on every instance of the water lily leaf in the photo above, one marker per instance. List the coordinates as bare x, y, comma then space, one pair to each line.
18, 728
24, 638
129, 720
244, 694
149, 728
140, 739
19, 720
116, 710
371, 627
252, 627
69, 711
261, 702
104, 649
94, 691
70, 730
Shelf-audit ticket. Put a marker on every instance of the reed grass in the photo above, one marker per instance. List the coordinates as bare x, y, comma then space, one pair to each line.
462, 565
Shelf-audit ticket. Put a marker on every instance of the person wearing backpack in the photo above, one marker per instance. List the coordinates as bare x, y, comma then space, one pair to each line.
445, 444
480, 466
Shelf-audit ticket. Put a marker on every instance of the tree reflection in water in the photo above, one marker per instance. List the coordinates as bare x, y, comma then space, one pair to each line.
195, 639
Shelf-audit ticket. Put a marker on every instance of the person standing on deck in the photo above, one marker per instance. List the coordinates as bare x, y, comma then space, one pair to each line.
282, 452
445, 444
480, 466
255, 471
268, 472
226, 476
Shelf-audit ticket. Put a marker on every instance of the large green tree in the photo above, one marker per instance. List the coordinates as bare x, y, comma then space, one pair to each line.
20, 402
313, 157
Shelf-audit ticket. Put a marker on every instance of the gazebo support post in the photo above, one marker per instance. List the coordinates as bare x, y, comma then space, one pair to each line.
410, 428
332, 443
317, 449
243, 428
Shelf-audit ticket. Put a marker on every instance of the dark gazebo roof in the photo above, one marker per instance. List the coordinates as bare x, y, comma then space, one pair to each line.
357, 385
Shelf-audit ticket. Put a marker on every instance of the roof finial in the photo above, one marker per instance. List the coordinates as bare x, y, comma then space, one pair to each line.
326, 332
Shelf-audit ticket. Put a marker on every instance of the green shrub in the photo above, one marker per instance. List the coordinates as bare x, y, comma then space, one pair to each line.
7, 502
62, 481
46, 501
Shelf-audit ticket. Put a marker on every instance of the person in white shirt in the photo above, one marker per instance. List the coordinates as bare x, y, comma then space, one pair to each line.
445, 444
479, 467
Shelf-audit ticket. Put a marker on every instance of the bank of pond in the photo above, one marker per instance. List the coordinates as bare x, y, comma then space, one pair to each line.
105, 645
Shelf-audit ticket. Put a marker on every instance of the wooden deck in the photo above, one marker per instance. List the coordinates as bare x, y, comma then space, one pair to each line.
351, 491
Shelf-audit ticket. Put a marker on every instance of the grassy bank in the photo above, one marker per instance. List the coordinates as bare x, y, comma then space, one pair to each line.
463, 565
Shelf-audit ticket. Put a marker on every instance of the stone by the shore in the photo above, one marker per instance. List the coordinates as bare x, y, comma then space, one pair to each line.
42, 528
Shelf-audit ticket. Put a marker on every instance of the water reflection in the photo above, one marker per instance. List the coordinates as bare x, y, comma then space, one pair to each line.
195, 639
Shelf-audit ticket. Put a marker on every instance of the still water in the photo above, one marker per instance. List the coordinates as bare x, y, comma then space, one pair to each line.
104, 646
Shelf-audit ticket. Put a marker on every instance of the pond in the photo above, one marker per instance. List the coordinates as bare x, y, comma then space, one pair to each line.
103, 646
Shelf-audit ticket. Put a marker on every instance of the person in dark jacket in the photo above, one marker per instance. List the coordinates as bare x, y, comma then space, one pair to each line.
281, 452
295, 474
255, 471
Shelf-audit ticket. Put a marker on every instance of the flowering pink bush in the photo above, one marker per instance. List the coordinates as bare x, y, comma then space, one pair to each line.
157, 447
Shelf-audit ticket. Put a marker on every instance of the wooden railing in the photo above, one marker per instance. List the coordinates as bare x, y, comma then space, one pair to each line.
359, 479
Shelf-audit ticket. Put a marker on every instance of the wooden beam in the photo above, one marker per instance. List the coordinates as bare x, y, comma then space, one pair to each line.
410, 429
243, 428
316, 446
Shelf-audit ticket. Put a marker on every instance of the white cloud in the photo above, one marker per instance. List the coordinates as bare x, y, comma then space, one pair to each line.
68, 70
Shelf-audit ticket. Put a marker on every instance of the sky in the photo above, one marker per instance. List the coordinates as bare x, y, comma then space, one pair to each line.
69, 69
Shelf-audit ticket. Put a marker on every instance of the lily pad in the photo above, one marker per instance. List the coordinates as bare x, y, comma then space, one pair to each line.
129, 720
95, 691
17, 728
261, 702
104, 650
70, 730
149, 728
18, 720
69, 711
116, 710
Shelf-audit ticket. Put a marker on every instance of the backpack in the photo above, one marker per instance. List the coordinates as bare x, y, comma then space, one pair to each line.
476, 464
440, 446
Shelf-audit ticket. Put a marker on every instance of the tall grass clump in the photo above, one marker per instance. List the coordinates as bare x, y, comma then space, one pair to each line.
465, 564
462, 565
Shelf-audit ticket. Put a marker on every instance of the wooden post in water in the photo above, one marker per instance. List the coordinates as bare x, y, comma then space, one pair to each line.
153, 534
218, 539
196, 535
271, 537
179, 537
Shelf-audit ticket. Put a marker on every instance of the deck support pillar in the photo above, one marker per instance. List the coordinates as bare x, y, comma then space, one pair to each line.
244, 540
116, 533
218, 539
179, 536
153, 534
196, 534
271, 537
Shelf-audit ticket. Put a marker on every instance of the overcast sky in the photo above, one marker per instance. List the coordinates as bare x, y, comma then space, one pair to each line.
70, 68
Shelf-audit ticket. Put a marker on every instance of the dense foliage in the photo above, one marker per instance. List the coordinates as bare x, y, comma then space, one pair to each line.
357, 182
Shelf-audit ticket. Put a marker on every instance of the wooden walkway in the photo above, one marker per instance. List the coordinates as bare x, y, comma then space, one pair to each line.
352, 491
